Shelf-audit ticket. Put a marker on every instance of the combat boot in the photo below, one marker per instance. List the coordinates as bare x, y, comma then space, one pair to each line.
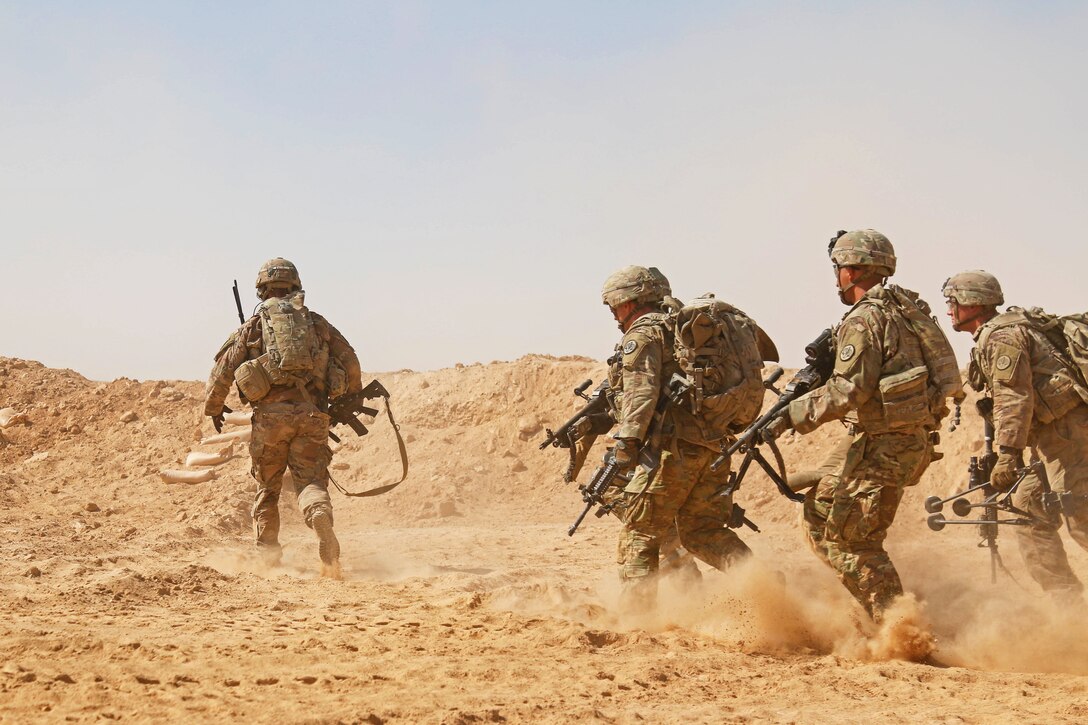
328, 547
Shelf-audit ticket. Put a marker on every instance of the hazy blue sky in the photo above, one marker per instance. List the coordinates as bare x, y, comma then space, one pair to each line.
455, 180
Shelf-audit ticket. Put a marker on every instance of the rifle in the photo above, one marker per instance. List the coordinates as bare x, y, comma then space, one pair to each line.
343, 410
238, 304
596, 403
993, 502
649, 458
819, 364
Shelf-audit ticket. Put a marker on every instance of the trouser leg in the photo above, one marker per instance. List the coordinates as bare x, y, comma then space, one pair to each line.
863, 507
857, 526
268, 450
703, 515
1040, 542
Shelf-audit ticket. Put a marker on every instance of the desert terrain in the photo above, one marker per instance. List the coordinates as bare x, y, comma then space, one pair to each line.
463, 599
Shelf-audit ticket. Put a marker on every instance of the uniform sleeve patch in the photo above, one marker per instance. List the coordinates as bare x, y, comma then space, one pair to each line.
629, 347
847, 352
1005, 359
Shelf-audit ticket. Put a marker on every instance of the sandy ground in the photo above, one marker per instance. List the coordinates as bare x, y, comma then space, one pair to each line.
463, 600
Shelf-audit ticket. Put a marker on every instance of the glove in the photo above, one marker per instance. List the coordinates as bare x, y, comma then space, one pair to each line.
217, 420
625, 453
1004, 473
776, 427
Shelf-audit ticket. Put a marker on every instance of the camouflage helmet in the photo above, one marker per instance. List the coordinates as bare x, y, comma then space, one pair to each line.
974, 287
632, 284
278, 272
863, 248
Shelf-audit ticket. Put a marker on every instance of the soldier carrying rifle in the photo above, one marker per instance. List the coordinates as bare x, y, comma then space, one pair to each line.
288, 362
1035, 398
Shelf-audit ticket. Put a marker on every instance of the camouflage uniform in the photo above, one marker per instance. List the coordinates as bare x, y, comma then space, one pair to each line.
1037, 404
822, 483
848, 514
290, 423
680, 496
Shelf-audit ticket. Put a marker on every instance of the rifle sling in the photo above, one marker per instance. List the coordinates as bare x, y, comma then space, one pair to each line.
403, 461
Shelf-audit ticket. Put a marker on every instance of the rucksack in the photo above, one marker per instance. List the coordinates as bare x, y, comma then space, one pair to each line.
289, 339
720, 350
1068, 334
945, 380
291, 356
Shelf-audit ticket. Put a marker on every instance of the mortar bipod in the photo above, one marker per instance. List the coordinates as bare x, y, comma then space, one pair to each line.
991, 504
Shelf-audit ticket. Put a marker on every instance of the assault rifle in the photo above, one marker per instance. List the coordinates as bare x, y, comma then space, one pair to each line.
993, 502
588, 423
819, 364
596, 403
649, 457
345, 409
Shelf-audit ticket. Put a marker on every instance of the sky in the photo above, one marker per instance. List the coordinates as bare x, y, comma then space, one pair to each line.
455, 180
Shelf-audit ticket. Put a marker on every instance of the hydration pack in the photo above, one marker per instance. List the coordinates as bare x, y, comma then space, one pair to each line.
720, 350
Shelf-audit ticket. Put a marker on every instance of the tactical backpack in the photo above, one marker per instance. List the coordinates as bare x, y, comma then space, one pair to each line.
720, 351
944, 371
291, 349
1068, 334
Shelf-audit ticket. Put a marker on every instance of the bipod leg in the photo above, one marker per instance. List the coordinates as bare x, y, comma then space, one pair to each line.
774, 475
735, 477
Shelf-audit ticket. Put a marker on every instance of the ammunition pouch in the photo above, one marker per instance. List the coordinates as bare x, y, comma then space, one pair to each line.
1055, 396
905, 398
253, 379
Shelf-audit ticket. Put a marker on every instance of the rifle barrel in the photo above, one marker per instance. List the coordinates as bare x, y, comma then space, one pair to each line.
238, 304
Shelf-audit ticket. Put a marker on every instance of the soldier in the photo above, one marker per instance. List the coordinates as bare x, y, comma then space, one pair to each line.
1038, 403
880, 384
672, 556
288, 363
679, 496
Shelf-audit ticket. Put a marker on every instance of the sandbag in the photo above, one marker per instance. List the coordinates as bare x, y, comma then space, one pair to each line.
239, 417
234, 436
190, 477
200, 458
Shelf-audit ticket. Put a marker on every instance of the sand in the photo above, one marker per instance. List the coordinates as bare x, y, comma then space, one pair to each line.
462, 598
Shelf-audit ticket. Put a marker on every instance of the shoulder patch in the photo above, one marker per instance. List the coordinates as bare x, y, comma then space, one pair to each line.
1006, 358
847, 352
629, 347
